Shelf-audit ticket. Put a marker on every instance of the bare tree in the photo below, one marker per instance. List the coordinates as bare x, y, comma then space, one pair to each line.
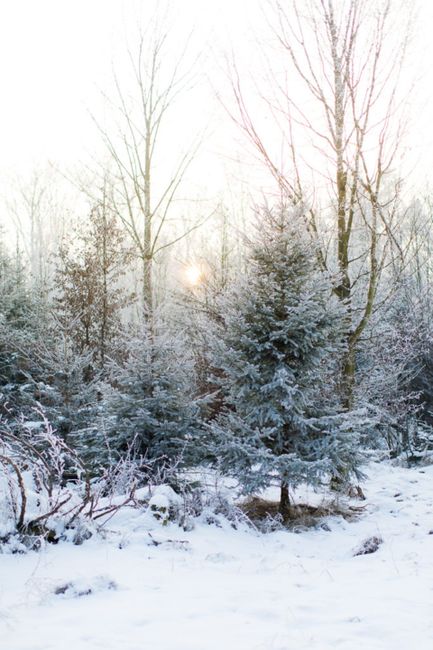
143, 195
339, 102
38, 217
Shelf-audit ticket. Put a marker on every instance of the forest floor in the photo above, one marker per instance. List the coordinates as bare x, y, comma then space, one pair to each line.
216, 588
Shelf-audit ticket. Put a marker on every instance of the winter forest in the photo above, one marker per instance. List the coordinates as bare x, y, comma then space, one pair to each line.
216, 329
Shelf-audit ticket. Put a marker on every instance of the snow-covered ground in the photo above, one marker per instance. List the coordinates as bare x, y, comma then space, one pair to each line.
223, 589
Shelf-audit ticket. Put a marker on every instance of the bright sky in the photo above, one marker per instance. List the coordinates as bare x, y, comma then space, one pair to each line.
54, 54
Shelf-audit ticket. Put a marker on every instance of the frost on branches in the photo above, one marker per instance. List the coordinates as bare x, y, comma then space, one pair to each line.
151, 412
276, 357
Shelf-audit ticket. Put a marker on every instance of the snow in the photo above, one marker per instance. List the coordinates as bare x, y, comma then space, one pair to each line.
143, 585
164, 496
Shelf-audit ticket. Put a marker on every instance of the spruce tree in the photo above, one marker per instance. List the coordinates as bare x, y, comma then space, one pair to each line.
18, 326
149, 405
276, 359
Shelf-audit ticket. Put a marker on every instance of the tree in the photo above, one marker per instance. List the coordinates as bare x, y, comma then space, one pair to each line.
150, 408
337, 104
18, 324
276, 351
93, 263
38, 215
143, 198
62, 383
15, 300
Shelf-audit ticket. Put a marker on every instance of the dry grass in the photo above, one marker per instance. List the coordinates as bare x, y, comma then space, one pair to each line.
300, 514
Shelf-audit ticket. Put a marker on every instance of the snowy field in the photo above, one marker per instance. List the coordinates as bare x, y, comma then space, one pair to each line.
223, 589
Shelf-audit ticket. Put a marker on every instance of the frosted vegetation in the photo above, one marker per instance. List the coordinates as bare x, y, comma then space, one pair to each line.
225, 422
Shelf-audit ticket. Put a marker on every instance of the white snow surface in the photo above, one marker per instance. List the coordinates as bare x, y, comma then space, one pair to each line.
216, 588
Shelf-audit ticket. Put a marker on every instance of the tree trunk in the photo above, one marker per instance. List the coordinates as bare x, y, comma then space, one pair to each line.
349, 370
147, 287
284, 507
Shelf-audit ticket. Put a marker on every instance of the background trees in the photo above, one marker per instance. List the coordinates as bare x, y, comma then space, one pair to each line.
286, 351
337, 102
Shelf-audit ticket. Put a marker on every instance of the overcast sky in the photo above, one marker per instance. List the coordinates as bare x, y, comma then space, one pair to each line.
55, 54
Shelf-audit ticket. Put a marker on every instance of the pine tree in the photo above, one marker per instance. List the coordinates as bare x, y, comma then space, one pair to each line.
276, 353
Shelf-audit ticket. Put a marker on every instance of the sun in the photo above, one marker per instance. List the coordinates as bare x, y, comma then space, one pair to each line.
193, 275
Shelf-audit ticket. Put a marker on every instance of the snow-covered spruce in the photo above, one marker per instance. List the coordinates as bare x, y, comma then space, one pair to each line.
276, 353
149, 406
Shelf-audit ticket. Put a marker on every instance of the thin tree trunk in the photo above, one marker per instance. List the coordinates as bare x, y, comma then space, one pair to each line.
284, 507
147, 288
349, 371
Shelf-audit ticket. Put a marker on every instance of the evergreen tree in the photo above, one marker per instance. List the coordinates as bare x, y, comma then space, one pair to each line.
151, 412
17, 329
15, 301
63, 387
276, 353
